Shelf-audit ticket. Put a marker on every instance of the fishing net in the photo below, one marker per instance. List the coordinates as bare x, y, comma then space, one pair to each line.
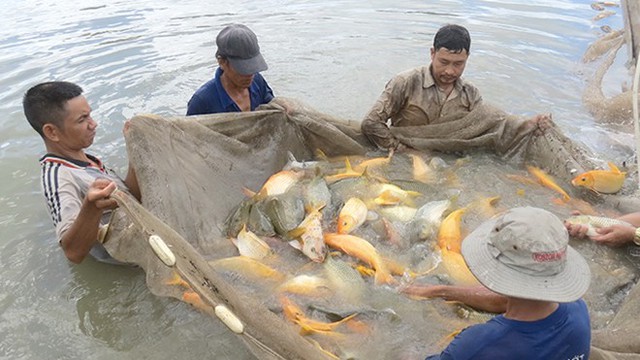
192, 171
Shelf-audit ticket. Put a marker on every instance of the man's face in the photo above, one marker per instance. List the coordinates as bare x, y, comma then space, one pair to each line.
237, 79
79, 128
447, 66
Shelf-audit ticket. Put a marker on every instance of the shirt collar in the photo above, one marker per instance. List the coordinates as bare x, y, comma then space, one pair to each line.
72, 163
225, 99
428, 81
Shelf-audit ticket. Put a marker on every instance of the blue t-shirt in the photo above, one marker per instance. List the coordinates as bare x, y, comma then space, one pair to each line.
563, 335
212, 98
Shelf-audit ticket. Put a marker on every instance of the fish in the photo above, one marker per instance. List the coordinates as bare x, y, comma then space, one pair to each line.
348, 172
293, 313
486, 205
308, 236
250, 245
594, 222
177, 280
457, 268
362, 250
352, 215
401, 213
345, 280
307, 285
259, 222
238, 218
294, 164
428, 217
389, 194
547, 181
251, 269
421, 171
285, 211
316, 192
373, 163
601, 181
450, 234
276, 184
192, 298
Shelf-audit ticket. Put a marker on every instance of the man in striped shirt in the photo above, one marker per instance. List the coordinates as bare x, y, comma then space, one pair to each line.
76, 185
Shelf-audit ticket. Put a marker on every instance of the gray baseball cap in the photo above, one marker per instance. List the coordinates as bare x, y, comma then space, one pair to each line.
524, 253
239, 44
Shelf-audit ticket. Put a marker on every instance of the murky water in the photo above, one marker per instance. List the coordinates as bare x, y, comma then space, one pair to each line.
148, 57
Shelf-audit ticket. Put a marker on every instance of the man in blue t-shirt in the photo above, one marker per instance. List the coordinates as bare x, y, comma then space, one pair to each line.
237, 85
523, 255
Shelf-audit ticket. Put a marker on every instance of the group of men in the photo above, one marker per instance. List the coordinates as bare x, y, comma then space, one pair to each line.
528, 271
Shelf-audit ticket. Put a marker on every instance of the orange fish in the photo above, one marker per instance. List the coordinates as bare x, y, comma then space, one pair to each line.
276, 184
457, 268
547, 181
363, 250
449, 234
294, 314
601, 181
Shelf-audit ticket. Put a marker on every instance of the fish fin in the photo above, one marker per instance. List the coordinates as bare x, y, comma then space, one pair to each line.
296, 244
296, 233
248, 192
291, 157
614, 168
347, 164
413, 193
321, 155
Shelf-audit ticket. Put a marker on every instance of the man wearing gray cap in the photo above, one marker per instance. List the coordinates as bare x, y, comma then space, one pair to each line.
523, 255
237, 85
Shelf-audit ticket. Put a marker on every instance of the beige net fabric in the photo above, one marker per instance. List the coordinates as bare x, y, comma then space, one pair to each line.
192, 171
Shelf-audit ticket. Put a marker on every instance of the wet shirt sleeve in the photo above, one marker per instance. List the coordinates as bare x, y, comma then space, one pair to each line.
374, 126
261, 92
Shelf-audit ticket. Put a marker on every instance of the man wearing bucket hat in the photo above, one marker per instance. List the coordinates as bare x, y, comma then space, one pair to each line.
237, 85
523, 255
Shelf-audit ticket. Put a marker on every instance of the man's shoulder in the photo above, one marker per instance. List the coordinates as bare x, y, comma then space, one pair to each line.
416, 72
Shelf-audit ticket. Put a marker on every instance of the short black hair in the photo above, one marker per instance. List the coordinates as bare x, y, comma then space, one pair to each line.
454, 38
45, 103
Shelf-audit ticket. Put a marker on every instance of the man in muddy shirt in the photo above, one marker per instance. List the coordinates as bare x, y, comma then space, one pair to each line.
427, 95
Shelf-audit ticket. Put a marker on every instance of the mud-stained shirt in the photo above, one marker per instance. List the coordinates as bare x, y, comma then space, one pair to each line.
65, 183
412, 98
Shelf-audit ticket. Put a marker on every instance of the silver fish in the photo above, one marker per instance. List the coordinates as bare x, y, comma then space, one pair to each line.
595, 222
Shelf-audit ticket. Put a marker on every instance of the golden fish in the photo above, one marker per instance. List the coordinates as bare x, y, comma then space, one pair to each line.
457, 268
601, 181
277, 184
192, 298
547, 181
346, 174
352, 215
309, 236
374, 163
248, 267
450, 234
363, 250
176, 280
421, 171
250, 245
294, 314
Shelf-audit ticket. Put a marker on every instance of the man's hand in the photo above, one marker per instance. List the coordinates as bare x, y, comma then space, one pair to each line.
616, 235
578, 231
540, 123
99, 192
